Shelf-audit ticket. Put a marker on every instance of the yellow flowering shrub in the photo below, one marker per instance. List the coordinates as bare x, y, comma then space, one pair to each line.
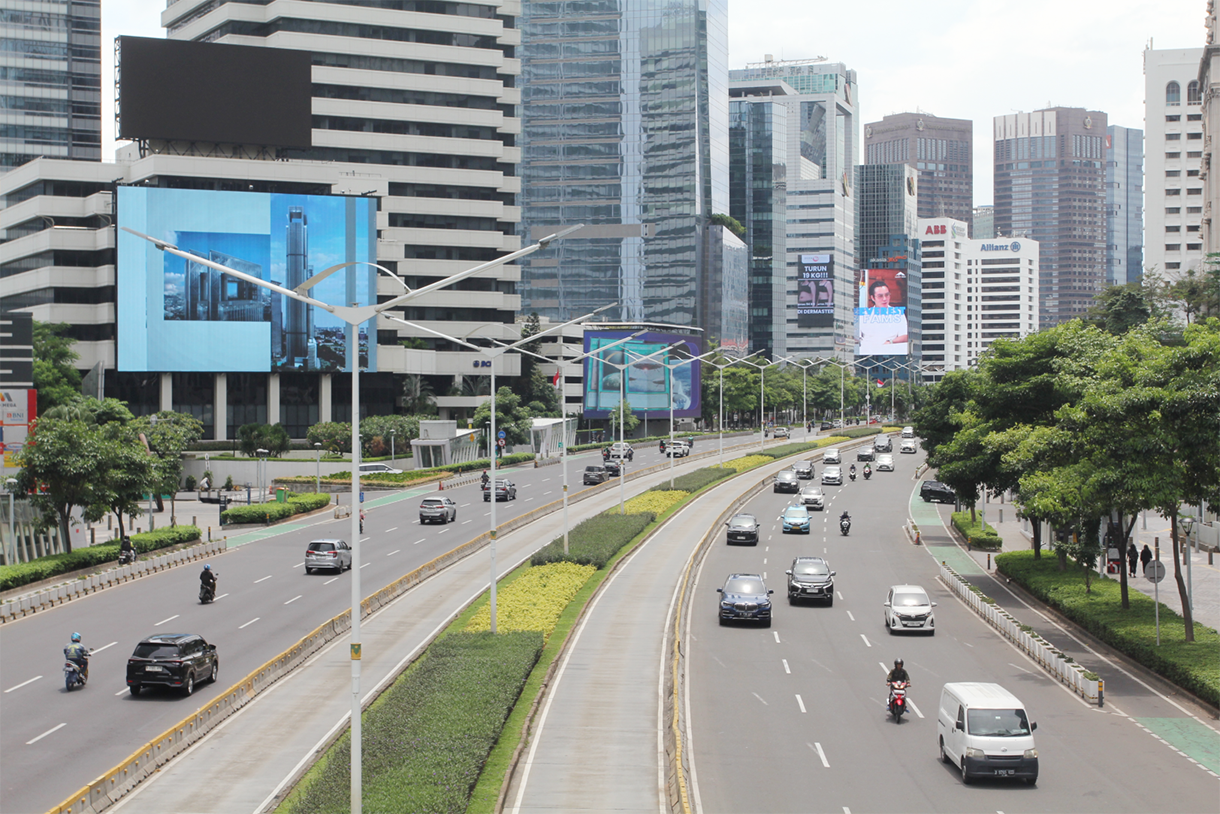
658, 502
742, 464
534, 600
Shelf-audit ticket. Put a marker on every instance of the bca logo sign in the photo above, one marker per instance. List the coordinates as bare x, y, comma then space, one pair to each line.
936, 229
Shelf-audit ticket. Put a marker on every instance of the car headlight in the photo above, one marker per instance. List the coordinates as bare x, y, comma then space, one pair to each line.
724, 603
766, 603
974, 753
1031, 753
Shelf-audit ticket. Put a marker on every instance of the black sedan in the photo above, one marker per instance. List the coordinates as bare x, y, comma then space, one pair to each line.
786, 481
177, 660
745, 597
743, 528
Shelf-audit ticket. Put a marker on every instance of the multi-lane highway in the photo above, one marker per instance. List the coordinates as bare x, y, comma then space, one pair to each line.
54, 742
793, 718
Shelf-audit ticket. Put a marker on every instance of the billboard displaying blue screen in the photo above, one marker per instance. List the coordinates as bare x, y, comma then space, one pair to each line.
648, 383
176, 315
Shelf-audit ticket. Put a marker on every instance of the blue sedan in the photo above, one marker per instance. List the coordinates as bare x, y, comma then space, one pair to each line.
795, 518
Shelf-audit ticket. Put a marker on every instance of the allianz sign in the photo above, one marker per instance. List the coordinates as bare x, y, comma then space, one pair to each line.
1015, 246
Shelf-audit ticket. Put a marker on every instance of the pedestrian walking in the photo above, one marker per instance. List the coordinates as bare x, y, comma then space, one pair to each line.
1132, 557
1145, 557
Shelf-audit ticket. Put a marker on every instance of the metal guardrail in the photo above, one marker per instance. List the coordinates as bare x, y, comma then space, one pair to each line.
1047, 657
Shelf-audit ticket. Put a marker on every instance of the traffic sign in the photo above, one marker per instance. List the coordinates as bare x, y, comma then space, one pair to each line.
1154, 571
500, 435
501, 442
561, 444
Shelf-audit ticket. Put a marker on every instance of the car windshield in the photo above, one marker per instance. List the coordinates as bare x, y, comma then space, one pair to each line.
810, 569
831, 470
910, 600
796, 511
997, 723
742, 522
321, 546
593, 468
744, 586
155, 650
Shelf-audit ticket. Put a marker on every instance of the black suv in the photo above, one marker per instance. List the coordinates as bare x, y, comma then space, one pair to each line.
864, 454
743, 528
786, 481
933, 491
172, 660
811, 578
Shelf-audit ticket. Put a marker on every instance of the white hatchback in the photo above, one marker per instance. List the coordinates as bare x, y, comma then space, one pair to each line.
908, 607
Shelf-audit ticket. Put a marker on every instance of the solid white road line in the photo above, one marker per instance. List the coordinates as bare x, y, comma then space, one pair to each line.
170, 619
264, 579
866, 641
48, 732
247, 624
23, 683
294, 599
800, 703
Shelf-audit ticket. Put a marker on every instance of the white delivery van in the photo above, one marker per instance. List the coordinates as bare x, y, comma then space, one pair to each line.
984, 730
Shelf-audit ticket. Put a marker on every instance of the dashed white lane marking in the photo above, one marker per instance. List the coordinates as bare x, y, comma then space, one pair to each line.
775, 633
264, 579
392, 553
23, 683
840, 593
329, 581
298, 565
442, 531
247, 624
294, 599
463, 505
1022, 669
866, 641
170, 619
48, 732
800, 703
544, 494
121, 692
222, 596
785, 661
817, 747
464, 522
911, 704
417, 542
387, 531
366, 565
760, 698
849, 616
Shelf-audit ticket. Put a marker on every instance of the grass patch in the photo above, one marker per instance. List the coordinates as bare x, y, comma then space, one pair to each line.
987, 539
692, 482
1194, 666
748, 462
657, 501
25, 573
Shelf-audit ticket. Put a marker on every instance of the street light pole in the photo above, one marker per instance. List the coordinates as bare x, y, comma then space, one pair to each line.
721, 366
762, 378
670, 367
392, 449
317, 474
355, 316
261, 474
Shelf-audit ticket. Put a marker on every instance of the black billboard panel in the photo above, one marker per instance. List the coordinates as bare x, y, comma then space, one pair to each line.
225, 94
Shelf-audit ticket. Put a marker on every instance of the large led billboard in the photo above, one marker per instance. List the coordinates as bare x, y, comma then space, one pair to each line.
176, 315
815, 291
881, 313
648, 383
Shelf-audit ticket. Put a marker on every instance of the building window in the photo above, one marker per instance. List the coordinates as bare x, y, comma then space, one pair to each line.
1194, 228
1173, 265
1194, 210
1173, 192
1167, 229
1192, 93
1173, 118
1195, 154
1173, 137
1169, 247
1194, 247
1194, 192
1173, 94
1195, 117
1194, 136
1168, 174
1173, 155
1189, 174
1173, 210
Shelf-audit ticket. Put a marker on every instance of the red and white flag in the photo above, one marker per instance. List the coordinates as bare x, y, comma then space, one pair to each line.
555, 381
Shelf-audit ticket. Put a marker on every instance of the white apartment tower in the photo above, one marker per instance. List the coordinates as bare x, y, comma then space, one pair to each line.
974, 292
1173, 160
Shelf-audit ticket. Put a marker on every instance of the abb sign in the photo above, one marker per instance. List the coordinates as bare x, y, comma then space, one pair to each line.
937, 229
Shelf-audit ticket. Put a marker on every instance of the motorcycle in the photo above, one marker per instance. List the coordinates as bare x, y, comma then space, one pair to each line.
852, 475
844, 526
898, 699
127, 556
207, 591
868, 473
73, 675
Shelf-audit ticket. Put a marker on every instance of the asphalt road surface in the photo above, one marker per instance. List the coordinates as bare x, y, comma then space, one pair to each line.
793, 718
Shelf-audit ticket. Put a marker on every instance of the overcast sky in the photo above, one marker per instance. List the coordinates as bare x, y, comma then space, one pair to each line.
973, 59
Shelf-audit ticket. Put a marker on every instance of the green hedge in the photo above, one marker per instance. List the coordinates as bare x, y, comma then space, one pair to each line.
427, 737
985, 539
1193, 666
694, 481
25, 573
596, 540
859, 432
273, 510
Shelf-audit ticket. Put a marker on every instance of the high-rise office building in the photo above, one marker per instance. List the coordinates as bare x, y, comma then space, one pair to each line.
887, 243
822, 151
1209, 89
50, 82
1173, 186
1050, 182
624, 129
975, 291
414, 107
1124, 205
984, 222
941, 149
758, 199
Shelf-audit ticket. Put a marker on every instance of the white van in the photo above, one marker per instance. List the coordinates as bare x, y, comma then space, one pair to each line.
983, 729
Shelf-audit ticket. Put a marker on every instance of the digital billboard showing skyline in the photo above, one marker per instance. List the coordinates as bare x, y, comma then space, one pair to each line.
649, 383
881, 313
178, 315
815, 291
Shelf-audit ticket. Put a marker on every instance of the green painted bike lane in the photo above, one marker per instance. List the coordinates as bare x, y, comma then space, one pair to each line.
1194, 739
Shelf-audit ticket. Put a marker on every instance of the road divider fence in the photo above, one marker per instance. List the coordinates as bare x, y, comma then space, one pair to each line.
1082, 682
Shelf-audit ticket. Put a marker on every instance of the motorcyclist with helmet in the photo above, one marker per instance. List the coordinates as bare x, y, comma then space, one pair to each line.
899, 673
852, 471
78, 654
207, 581
868, 471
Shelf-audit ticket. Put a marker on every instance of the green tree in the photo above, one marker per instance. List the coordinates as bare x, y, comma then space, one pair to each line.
511, 416
168, 435
1120, 308
623, 413
130, 470
375, 434
730, 222
61, 466
271, 437
55, 378
418, 396
334, 436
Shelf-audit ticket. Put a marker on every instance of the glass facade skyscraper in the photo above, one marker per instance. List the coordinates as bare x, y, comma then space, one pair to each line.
1124, 205
50, 81
624, 128
886, 235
